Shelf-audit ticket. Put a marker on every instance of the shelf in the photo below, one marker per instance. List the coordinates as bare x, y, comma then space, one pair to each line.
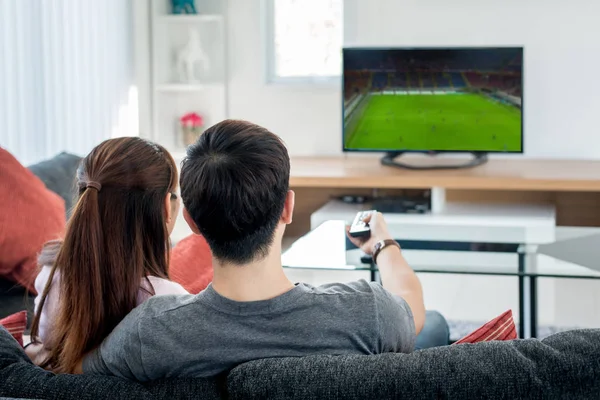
190, 18
185, 87
514, 174
170, 97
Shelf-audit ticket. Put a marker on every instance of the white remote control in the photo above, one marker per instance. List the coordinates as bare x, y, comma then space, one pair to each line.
358, 227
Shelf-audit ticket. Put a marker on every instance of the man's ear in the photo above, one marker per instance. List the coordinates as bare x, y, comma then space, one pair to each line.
288, 207
190, 221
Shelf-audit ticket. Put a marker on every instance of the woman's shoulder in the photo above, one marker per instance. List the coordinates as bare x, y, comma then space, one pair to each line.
42, 278
50, 310
161, 286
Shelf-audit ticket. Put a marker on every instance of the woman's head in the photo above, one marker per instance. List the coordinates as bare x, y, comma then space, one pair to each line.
127, 171
118, 234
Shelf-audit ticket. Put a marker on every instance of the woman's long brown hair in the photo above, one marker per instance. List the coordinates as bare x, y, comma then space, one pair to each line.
115, 238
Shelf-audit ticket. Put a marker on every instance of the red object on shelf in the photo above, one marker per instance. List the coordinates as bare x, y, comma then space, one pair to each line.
191, 120
191, 127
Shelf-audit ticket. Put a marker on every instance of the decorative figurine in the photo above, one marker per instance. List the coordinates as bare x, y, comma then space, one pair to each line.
183, 7
190, 55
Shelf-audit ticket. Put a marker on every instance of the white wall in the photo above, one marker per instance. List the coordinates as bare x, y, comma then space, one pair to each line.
308, 118
562, 60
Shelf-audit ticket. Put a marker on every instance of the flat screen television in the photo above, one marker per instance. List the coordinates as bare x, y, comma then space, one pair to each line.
433, 99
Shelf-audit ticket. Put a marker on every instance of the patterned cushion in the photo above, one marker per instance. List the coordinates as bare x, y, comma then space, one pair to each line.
15, 325
500, 328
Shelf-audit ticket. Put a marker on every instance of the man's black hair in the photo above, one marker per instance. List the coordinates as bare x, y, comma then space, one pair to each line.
234, 182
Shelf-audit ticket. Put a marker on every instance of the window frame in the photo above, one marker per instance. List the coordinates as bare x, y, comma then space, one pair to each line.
271, 77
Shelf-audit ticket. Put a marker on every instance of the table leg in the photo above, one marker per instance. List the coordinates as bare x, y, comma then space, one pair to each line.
533, 306
521, 296
373, 272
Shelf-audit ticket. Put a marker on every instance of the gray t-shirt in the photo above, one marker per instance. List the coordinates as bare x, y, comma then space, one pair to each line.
205, 334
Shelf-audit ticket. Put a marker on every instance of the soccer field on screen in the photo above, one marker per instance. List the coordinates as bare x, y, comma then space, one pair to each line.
434, 122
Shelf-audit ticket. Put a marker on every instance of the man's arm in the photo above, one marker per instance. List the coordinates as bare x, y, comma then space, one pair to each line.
120, 353
397, 276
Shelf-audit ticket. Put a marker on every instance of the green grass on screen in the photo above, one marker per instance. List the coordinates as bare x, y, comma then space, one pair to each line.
462, 122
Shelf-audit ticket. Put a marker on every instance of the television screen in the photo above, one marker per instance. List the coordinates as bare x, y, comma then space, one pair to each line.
451, 99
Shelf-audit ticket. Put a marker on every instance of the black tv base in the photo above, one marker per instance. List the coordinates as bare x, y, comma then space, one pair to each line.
389, 159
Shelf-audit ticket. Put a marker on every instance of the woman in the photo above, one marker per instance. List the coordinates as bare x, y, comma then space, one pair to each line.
115, 253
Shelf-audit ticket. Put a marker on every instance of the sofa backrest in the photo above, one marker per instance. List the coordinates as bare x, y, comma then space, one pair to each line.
58, 174
563, 366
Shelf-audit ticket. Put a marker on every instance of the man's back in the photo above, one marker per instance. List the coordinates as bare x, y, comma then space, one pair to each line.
206, 334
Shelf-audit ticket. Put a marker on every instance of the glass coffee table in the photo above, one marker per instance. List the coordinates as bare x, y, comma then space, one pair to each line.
577, 249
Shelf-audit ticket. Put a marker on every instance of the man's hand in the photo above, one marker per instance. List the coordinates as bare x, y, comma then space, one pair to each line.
379, 231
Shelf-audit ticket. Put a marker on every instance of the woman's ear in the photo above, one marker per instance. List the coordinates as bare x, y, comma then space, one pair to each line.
169, 212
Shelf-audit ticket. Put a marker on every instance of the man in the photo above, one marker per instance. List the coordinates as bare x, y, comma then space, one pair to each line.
235, 188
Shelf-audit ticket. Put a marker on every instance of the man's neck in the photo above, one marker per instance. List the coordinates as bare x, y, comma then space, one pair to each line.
259, 280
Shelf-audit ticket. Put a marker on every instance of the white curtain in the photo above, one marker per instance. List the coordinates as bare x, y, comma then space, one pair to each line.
66, 74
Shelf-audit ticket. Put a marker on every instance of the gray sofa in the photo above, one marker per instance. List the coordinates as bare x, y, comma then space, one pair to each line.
562, 366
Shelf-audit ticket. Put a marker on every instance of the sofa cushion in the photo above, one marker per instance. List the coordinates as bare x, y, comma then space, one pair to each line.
15, 324
191, 264
58, 174
565, 365
500, 328
14, 298
19, 378
30, 215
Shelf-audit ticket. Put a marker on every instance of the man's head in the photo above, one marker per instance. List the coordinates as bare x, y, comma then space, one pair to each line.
235, 188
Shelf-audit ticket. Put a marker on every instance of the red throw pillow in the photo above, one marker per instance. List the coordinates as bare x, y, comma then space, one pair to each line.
15, 324
500, 328
191, 264
30, 216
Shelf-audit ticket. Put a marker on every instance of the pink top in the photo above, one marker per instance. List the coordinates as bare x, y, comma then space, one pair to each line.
50, 310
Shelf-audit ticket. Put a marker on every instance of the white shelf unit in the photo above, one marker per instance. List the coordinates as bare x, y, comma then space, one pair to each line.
189, 18
172, 98
179, 87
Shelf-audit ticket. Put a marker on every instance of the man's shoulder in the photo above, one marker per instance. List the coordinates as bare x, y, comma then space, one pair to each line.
360, 287
159, 306
359, 293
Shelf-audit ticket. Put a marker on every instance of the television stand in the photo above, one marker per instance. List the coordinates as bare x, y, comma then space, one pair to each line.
389, 159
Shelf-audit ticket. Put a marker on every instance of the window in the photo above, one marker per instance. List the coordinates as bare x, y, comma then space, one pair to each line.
304, 40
